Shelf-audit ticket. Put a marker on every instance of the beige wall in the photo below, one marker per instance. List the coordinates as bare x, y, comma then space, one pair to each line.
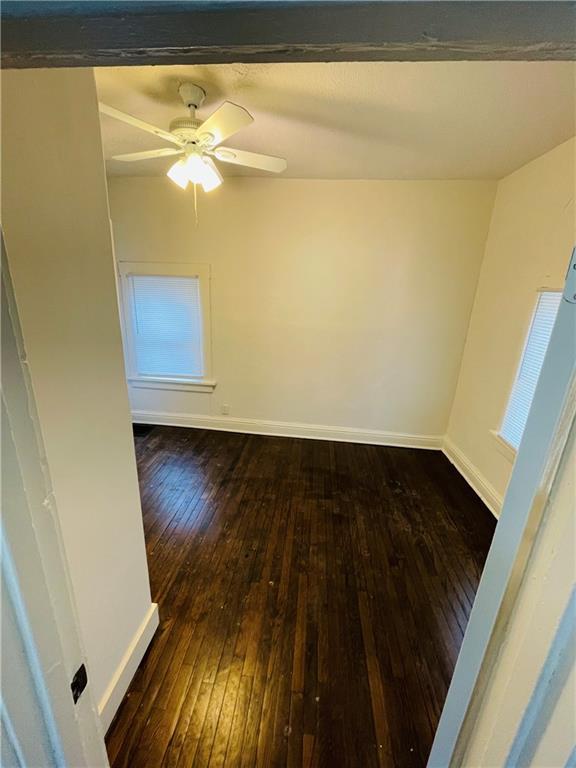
342, 304
532, 233
56, 223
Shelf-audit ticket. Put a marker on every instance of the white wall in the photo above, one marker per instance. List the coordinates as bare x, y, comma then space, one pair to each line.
343, 304
532, 233
56, 223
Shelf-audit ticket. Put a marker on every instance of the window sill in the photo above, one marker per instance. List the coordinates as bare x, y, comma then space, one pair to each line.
177, 385
504, 447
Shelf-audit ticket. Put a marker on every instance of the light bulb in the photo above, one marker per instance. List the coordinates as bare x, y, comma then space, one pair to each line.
178, 173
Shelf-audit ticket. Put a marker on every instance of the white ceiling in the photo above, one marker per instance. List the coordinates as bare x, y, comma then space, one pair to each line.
382, 120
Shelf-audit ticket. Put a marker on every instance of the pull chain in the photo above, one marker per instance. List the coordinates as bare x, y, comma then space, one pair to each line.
196, 205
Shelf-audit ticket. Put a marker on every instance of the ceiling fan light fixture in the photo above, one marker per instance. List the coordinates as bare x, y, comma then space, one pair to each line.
212, 176
178, 173
201, 170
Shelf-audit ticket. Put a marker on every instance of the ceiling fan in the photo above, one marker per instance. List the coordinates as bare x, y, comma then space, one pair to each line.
197, 143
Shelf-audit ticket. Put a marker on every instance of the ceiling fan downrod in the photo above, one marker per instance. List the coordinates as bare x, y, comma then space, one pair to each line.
192, 96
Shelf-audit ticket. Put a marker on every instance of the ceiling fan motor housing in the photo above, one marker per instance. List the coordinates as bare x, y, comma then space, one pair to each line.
185, 128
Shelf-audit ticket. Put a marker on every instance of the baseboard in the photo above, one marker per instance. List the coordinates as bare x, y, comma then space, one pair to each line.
124, 673
469, 471
289, 429
473, 477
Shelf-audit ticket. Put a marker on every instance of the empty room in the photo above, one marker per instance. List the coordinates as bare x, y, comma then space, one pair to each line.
288, 349
284, 327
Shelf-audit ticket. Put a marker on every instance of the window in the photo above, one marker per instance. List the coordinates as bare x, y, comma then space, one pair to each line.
166, 324
530, 366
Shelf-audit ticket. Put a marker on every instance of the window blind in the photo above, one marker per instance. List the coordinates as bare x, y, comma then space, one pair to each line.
167, 326
530, 367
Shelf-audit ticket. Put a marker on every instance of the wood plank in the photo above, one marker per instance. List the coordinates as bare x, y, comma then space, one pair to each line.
83, 33
381, 721
313, 598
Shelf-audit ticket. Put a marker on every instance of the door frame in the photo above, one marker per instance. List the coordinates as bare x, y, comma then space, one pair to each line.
34, 569
551, 416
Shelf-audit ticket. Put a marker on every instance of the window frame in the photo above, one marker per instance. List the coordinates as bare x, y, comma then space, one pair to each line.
126, 270
505, 447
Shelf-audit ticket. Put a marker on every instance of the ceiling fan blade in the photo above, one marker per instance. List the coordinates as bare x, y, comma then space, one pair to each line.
250, 159
149, 154
118, 115
225, 121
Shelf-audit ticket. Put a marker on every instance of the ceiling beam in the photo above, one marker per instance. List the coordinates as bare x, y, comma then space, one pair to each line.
106, 33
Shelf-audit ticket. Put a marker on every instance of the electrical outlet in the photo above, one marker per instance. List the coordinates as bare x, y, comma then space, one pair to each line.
225, 409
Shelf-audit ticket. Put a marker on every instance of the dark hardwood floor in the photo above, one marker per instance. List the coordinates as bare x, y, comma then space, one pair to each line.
313, 597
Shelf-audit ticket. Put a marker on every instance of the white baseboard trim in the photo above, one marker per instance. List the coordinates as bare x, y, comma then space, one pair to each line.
473, 477
124, 673
289, 429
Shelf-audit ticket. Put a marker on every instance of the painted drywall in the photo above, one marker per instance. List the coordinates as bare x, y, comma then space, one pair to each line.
339, 304
531, 237
528, 714
56, 223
